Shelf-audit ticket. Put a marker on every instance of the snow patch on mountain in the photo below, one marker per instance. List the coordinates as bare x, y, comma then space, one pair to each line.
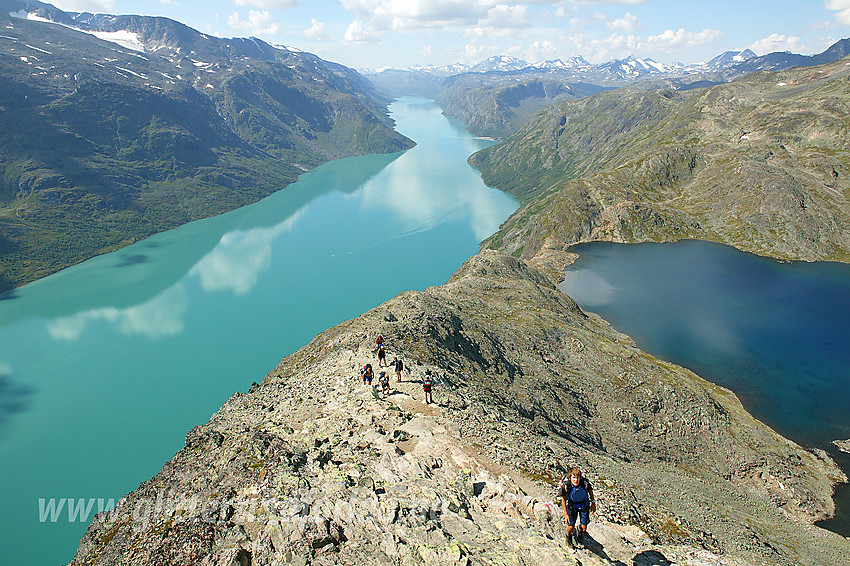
123, 38
24, 15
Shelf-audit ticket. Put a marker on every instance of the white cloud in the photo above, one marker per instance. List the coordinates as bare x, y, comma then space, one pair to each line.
259, 23
501, 21
607, 48
841, 9
316, 30
629, 22
385, 15
85, 5
372, 18
269, 4
681, 39
357, 32
472, 53
824, 25
541, 51
777, 42
507, 17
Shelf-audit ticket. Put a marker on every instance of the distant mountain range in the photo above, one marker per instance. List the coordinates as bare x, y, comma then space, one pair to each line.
619, 72
498, 95
116, 127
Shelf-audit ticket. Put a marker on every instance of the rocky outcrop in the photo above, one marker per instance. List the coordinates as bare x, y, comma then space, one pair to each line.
310, 466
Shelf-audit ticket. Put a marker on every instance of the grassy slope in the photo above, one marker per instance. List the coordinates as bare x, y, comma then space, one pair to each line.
755, 163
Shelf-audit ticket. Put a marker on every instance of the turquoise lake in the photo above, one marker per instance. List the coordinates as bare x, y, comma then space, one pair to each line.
105, 366
774, 333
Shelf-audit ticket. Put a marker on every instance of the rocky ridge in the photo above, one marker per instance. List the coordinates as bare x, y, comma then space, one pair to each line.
310, 467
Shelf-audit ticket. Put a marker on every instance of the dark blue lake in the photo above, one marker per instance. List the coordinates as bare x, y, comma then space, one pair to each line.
774, 333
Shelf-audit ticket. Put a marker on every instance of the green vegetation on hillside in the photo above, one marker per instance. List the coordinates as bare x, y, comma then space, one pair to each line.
101, 146
760, 163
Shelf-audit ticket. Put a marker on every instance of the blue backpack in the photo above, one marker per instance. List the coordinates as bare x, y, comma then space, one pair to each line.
577, 496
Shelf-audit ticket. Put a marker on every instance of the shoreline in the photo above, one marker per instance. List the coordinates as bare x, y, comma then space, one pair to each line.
561, 259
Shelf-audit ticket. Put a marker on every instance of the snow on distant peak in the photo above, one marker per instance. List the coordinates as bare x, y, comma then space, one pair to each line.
282, 47
500, 63
124, 38
24, 15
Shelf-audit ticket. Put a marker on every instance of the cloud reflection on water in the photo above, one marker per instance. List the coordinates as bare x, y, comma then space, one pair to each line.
160, 317
587, 287
421, 200
235, 264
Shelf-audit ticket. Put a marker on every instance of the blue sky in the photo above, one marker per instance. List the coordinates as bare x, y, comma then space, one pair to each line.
402, 33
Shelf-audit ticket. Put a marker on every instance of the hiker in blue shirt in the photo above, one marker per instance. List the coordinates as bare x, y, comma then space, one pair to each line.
576, 495
366, 373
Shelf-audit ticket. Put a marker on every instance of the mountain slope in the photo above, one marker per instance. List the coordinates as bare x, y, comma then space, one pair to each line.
311, 467
784, 60
101, 144
497, 108
758, 163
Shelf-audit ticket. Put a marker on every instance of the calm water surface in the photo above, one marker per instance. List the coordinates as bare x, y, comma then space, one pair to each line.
106, 366
775, 333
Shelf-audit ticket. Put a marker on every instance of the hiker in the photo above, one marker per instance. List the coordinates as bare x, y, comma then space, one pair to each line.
426, 387
384, 378
576, 495
399, 367
379, 341
366, 373
382, 356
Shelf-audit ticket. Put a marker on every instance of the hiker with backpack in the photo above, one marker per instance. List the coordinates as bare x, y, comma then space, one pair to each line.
366, 373
382, 355
384, 378
426, 387
578, 501
399, 367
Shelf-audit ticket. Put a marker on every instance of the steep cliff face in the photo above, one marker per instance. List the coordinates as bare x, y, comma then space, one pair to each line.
758, 163
311, 467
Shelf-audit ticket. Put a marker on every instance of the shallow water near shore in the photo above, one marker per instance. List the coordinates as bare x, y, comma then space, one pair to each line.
105, 367
774, 333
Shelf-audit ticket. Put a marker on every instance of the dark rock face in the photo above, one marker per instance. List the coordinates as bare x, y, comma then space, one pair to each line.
311, 467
